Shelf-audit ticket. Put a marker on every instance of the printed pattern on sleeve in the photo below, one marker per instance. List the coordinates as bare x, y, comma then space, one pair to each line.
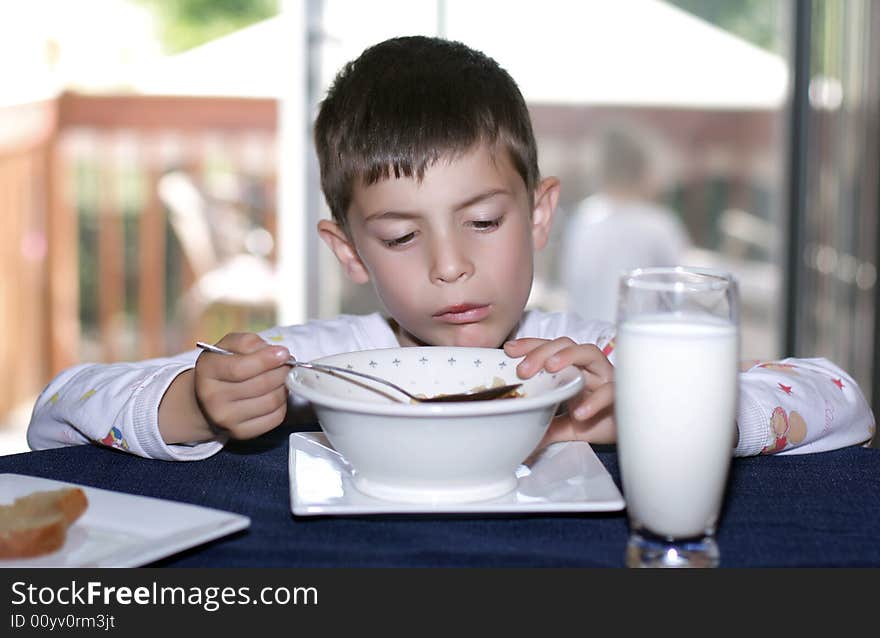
796, 406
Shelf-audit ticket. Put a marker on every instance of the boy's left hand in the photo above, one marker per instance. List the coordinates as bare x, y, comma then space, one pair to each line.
590, 415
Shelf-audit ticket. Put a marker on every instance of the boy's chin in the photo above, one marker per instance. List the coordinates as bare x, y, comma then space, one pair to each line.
473, 336
478, 343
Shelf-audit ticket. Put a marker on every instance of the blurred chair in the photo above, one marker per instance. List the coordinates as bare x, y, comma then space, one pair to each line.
748, 249
744, 233
226, 251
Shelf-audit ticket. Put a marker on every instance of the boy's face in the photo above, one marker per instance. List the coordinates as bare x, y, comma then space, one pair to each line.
451, 257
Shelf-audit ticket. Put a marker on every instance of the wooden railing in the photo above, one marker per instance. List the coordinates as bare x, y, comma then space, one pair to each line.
91, 269
26, 289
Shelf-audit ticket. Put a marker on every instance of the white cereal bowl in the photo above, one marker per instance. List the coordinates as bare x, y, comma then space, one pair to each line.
433, 452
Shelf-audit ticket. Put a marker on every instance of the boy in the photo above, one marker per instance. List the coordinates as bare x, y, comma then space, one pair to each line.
429, 167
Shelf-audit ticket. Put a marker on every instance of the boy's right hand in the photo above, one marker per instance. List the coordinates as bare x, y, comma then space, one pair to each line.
243, 395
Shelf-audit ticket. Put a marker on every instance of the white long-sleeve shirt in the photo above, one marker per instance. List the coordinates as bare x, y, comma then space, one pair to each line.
789, 406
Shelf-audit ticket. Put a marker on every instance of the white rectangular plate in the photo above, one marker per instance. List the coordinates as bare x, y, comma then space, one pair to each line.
122, 530
564, 477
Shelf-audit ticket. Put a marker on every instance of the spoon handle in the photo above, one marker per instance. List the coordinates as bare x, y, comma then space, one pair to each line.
327, 368
489, 393
317, 366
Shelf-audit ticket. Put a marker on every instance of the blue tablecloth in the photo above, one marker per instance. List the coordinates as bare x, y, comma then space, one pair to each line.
809, 510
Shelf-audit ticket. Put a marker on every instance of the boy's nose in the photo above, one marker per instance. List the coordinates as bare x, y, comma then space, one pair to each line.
450, 264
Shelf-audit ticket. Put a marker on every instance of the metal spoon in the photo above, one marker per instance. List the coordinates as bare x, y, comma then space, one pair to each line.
478, 395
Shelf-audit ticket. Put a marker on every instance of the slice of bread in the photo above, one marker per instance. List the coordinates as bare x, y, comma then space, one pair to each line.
37, 523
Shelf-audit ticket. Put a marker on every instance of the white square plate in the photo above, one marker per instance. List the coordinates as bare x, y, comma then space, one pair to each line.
564, 477
122, 530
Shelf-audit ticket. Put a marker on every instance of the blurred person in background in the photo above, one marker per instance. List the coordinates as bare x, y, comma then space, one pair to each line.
617, 229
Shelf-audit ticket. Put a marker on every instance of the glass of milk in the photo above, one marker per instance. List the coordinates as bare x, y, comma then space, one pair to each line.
677, 359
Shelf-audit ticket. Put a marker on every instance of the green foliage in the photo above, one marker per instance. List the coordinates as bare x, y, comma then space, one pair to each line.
829, 21
188, 23
757, 21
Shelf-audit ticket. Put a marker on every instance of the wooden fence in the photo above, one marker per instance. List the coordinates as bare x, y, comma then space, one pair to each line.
26, 289
90, 267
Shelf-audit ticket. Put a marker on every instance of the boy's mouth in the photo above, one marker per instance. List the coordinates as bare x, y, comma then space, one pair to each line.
463, 313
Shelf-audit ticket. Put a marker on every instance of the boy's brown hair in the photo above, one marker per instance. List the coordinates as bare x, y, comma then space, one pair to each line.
407, 102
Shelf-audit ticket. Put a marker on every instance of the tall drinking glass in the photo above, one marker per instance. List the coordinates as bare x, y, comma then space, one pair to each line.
677, 358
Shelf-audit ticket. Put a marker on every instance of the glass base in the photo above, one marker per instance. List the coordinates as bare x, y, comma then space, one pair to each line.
646, 550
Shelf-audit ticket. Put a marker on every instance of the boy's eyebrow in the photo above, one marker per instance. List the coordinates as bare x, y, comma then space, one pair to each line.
476, 199
390, 214
470, 201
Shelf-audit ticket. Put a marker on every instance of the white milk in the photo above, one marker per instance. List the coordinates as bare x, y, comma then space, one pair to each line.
675, 407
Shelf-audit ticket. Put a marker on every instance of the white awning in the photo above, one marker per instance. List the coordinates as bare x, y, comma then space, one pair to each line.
621, 52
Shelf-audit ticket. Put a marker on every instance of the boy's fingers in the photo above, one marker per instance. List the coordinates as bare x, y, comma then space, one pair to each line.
242, 342
232, 414
518, 347
559, 353
262, 384
598, 429
535, 359
256, 426
586, 356
242, 367
588, 405
261, 405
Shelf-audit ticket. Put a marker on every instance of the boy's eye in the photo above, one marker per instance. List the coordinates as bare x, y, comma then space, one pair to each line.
400, 241
487, 224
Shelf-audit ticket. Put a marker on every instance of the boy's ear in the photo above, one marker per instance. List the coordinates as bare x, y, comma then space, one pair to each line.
344, 249
546, 197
